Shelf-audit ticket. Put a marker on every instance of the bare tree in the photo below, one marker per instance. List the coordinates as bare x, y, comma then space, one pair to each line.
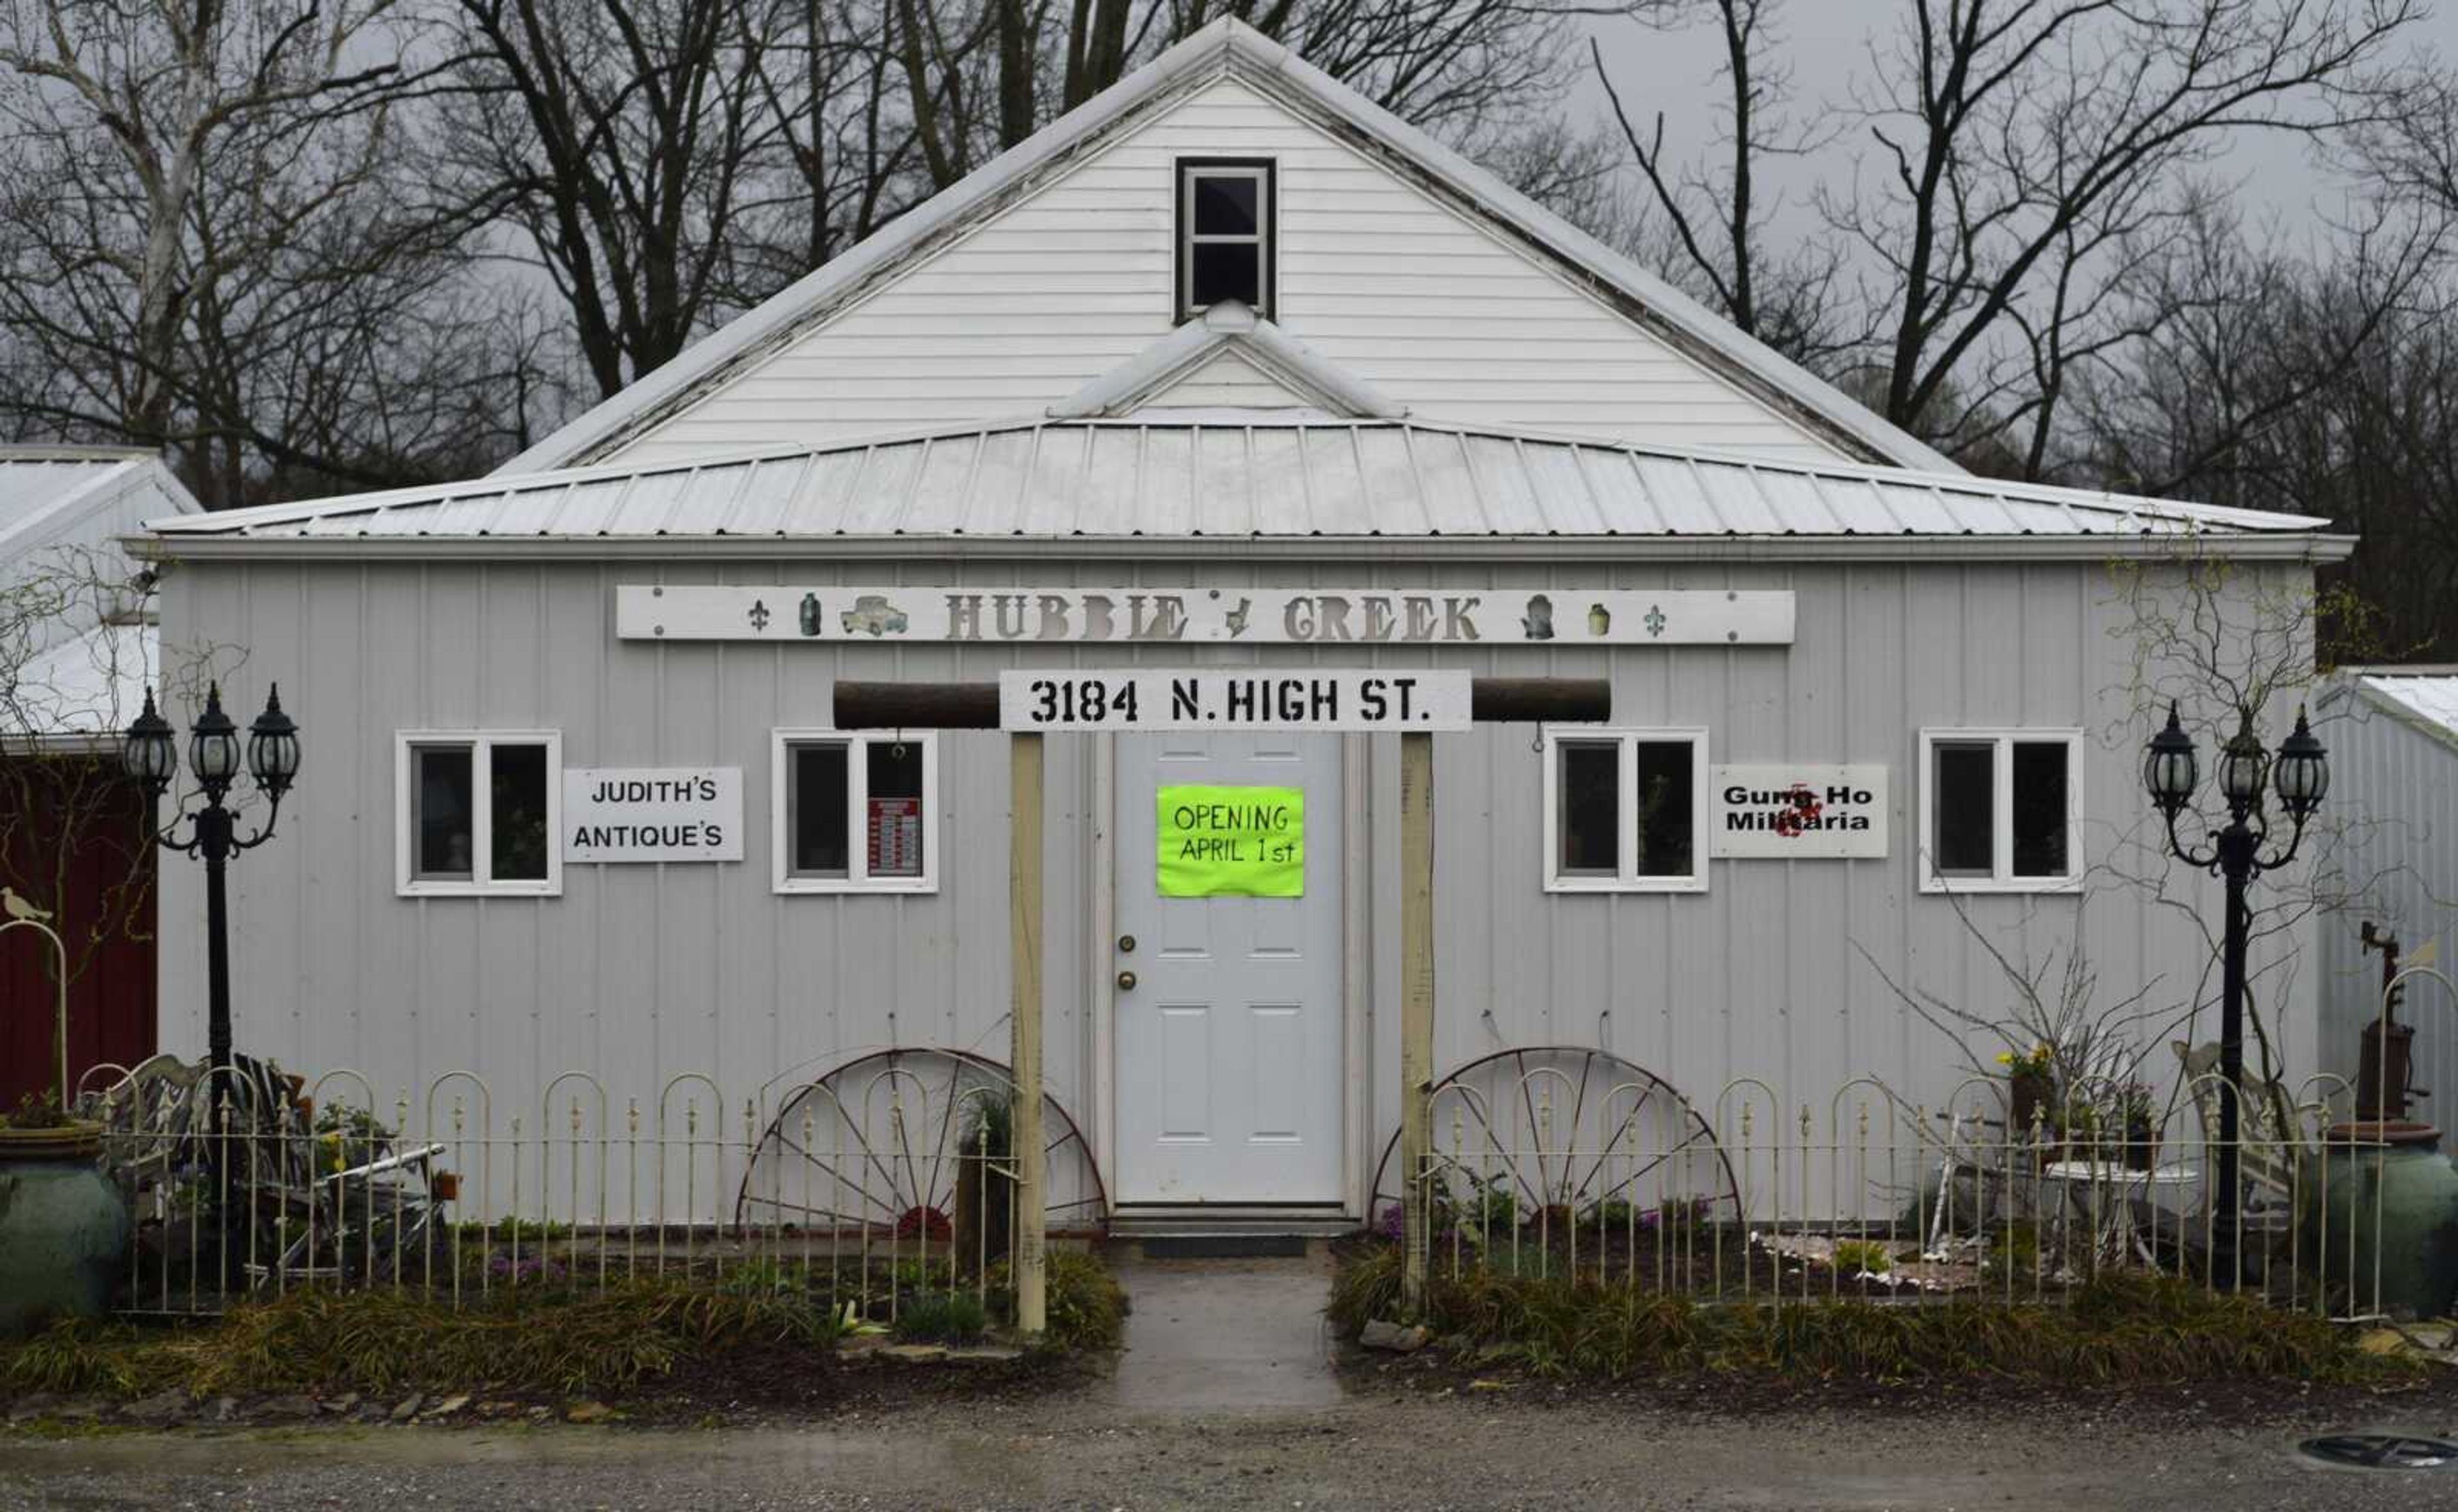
1716, 221
207, 248
619, 136
2027, 160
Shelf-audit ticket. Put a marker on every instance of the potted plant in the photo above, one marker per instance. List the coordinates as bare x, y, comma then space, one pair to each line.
2030, 1081
63, 1228
2141, 1118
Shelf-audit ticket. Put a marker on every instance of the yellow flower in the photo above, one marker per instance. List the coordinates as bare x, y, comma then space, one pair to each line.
2005, 1057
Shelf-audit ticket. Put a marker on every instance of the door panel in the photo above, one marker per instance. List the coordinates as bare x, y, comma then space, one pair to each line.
1229, 1043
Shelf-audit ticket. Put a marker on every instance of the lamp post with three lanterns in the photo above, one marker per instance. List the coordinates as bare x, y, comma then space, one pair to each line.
2299, 774
149, 753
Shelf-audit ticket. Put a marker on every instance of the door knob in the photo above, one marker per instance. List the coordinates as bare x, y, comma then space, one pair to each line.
1125, 982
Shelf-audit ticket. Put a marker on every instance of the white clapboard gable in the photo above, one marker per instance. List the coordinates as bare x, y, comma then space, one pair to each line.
1396, 261
1446, 316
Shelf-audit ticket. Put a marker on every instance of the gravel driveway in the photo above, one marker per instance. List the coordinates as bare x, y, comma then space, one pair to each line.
1509, 1449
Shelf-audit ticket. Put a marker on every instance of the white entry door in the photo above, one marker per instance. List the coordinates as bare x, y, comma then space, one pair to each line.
1229, 1041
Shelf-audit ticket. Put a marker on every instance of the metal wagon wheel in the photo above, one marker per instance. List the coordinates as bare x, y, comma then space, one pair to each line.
1567, 1132
874, 1147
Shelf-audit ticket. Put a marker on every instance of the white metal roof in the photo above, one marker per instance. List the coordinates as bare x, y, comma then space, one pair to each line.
1232, 45
2422, 695
1225, 475
43, 485
89, 686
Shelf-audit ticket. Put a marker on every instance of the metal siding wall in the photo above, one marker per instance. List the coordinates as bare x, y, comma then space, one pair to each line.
2397, 789
1759, 976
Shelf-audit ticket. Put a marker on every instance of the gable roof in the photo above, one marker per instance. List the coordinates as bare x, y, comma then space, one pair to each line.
1268, 477
2424, 697
1232, 330
1224, 46
46, 490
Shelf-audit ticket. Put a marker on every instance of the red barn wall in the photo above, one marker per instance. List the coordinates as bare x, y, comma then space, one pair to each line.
112, 999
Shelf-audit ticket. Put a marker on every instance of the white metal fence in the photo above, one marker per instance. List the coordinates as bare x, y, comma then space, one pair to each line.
874, 1189
1857, 1193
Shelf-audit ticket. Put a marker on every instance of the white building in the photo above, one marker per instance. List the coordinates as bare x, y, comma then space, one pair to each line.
2393, 734
1227, 366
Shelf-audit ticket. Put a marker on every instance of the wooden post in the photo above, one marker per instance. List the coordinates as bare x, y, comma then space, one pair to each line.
1023, 928
1416, 1007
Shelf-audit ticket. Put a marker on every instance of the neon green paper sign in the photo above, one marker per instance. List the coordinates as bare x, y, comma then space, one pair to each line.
1232, 842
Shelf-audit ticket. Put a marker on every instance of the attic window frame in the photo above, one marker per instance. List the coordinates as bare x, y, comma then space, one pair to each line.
1265, 171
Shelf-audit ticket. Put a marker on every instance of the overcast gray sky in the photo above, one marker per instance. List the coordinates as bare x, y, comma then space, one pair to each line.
1827, 43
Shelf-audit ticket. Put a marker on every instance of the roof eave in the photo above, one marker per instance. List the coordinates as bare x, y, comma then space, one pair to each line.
2282, 546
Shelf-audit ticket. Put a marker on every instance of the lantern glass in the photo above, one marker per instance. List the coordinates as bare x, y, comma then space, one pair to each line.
2171, 768
2301, 772
148, 751
2242, 766
273, 746
212, 743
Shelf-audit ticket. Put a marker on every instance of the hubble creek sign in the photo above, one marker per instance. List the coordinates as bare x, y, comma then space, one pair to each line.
1796, 812
652, 814
1310, 616
1231, 842
1232, 698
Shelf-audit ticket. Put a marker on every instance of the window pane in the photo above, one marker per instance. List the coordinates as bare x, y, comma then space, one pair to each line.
893, 826
1965, 812
820, 802
441, 823
1665, 808
2040, 808
519, 778
1226, 206
1227, 270
1590, 818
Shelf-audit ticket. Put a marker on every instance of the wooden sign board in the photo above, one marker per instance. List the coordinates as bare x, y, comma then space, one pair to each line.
1254, 616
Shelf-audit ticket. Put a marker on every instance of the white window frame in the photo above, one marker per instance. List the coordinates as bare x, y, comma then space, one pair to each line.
1259, 175
2003, 739
481, 743
857, 877
1627, 740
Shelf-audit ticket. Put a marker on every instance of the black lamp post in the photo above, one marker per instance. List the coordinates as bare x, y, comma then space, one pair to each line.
2301, 774
150, 754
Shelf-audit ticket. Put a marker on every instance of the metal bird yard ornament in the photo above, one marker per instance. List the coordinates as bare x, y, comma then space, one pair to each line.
16, 907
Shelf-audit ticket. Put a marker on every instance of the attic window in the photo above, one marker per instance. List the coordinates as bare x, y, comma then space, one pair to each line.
1225, 209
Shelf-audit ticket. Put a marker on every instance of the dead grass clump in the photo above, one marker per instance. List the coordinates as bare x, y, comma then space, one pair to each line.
379, 1341
2121, 1329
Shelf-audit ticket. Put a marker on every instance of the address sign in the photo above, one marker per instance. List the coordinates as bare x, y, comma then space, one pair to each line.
1231, 698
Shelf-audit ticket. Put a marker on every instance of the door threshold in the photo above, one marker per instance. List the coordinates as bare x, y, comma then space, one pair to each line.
1315, 1220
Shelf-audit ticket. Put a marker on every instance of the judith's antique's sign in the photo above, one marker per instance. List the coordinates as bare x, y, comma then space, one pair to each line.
1236, 698
1313, 617
652, 814
1792, 813
1232, 842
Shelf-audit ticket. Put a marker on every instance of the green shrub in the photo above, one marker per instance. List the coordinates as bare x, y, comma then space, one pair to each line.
943, 1317
1854, 1256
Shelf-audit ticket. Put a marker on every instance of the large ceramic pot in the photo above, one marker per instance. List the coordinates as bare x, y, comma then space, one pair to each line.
63, 1228
2383, 1200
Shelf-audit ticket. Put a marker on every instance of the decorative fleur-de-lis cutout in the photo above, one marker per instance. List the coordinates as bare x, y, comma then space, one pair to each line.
759, 615
1654, 621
